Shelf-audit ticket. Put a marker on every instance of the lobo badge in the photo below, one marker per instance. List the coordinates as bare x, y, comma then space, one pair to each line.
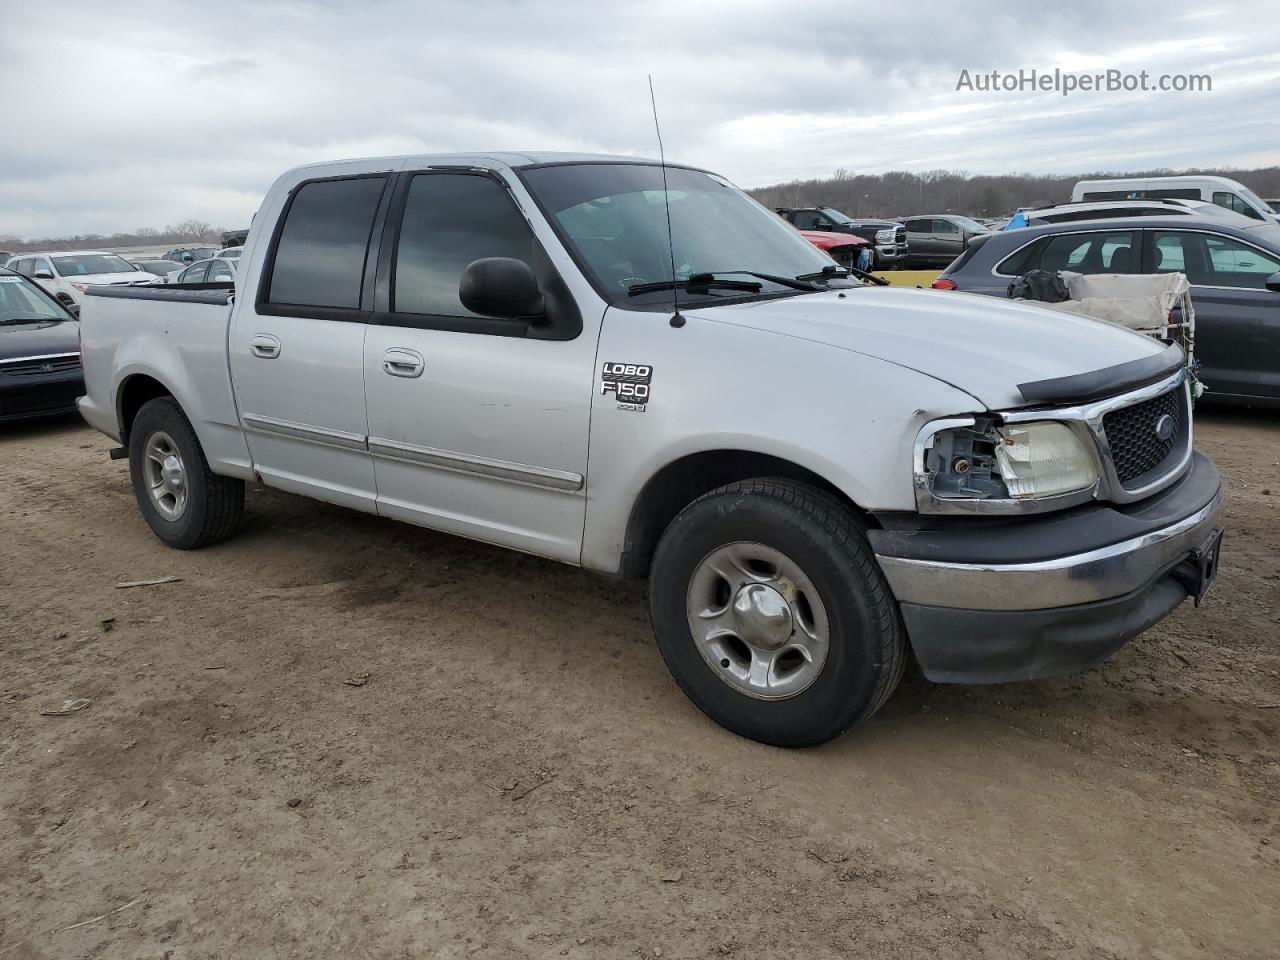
628, 382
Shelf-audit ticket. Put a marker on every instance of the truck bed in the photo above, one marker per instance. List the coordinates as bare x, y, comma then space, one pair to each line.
173, 335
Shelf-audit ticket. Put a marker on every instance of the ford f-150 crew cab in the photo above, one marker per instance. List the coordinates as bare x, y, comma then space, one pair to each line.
819, 478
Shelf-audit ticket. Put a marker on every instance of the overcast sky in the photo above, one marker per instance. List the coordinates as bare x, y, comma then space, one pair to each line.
140, 114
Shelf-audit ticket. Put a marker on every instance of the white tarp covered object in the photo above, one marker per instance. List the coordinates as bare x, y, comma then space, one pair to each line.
1143, 302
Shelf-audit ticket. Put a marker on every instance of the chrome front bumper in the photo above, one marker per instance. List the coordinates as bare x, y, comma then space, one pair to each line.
1034, 597
1085, 577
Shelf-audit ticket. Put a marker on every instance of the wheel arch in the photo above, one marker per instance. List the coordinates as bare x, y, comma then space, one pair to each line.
681, 481
134, 391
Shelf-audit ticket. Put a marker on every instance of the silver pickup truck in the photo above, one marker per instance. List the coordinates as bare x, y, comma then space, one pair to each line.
819, 477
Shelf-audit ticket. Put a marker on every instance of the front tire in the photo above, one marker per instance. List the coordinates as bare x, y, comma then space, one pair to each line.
185, 503
772, 615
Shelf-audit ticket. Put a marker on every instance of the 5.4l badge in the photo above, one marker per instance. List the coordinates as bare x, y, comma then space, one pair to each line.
628, 382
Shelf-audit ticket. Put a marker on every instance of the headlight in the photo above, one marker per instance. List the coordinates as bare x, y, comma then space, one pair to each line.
884, 235
1043, 458
981, 465
79, 286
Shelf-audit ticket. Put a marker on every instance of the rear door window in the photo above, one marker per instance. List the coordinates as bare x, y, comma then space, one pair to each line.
1091, 253
320, 256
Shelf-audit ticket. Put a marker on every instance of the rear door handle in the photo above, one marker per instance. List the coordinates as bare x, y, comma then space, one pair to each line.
265, 346
400, 362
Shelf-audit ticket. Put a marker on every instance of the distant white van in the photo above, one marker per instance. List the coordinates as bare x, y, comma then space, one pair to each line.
1220, 190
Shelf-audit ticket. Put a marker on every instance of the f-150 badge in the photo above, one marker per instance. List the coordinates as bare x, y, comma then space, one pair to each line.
628, 382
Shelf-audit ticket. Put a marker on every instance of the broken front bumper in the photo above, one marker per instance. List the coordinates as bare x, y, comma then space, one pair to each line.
989, 603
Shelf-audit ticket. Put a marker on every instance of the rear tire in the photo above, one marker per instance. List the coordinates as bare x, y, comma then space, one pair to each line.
721, 575
185, 503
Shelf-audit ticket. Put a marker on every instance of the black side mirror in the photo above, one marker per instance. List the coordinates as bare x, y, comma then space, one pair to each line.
501, 287
1273, 282
42, 275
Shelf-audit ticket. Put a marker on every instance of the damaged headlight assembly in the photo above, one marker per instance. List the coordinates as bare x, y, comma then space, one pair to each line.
982, 465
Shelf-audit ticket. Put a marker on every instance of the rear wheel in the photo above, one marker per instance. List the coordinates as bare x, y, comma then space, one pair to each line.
772, 615
185, 503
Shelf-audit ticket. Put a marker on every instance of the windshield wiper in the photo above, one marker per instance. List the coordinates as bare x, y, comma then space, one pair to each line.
696, 282
805, 282
28, 319
842, 273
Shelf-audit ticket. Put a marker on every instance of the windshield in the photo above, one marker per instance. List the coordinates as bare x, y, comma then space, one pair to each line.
972, 225
22, 299
836, 215
613, 219
1254, 200
88, 264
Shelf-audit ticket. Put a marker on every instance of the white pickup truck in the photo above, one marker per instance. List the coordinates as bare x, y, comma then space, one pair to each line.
819, 477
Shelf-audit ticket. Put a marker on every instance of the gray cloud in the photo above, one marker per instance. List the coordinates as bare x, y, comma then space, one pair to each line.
140, 119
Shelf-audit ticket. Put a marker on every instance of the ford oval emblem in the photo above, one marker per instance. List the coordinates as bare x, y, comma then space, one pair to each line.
1165, 426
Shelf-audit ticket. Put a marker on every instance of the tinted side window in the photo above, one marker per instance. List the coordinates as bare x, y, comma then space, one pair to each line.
807, 219
945, 226
1091, 253
320, 257
917, 226
1211, 260
1173, 193
451, 220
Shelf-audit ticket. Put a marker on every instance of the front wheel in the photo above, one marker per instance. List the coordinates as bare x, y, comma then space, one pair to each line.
772, 615
185, 503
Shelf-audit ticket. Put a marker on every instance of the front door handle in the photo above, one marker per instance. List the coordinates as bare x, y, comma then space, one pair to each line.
400, 362
265, 346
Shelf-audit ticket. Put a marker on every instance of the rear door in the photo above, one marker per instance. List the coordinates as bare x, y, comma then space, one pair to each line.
297, 339
1237, 317
477, 425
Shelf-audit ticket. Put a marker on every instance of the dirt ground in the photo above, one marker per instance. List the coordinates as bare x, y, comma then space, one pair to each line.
518, 776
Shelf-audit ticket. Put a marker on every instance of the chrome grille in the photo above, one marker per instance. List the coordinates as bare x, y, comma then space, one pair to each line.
1136, 449
40, 366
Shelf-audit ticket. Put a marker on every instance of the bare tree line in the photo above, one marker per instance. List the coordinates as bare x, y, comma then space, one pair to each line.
188, 231
901, 194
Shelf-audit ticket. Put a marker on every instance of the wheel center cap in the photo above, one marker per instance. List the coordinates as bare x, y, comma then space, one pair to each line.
762, 616
171, 473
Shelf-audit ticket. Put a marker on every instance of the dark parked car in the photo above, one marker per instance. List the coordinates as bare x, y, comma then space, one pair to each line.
888, 239
938, 238
39, 352
1234, 274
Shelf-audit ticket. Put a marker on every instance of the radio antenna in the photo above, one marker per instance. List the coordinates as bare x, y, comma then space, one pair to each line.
676, 319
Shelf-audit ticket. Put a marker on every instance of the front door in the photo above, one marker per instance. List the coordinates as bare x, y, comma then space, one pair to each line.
297, 353
1237, 317
478, 426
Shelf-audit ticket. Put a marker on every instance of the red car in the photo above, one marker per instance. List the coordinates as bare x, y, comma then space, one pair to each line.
843, 248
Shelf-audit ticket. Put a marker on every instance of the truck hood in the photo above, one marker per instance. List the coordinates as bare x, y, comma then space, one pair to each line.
981, 345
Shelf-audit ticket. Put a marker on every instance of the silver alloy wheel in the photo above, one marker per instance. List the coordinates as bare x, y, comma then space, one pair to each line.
757, 620
165, 475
